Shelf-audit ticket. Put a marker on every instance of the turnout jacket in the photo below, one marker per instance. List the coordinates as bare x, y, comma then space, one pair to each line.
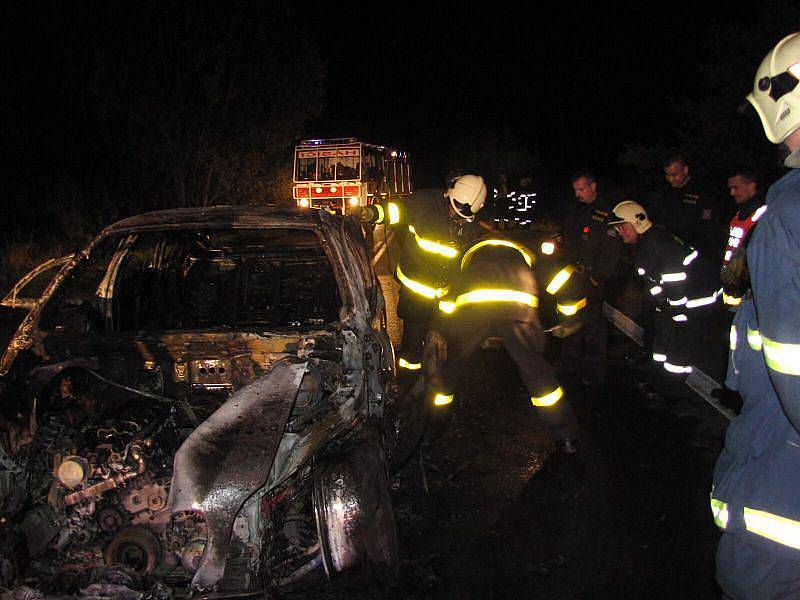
755, 493
497, 278
430, 240
676, 276
586, 241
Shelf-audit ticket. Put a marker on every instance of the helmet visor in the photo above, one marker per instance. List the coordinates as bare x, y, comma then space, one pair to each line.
464, 209
781, 84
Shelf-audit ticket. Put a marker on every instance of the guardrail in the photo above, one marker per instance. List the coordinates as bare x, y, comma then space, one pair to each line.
697, 380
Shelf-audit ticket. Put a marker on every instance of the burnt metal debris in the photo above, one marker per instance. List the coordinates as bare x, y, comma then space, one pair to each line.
197, 403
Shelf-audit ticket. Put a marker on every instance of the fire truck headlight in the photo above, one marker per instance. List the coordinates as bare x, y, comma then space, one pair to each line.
353, 201
548, 247
303, 203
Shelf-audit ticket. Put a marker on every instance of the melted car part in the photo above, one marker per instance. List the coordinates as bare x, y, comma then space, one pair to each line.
227, 458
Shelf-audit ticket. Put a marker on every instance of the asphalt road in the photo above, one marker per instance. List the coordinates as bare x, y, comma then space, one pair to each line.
485, 510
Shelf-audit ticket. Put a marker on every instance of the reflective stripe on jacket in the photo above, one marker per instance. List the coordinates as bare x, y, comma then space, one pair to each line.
430, 241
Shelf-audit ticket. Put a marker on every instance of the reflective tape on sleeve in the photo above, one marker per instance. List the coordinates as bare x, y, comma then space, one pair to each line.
656, 290
673, 277
548, 399
677, 368
731, 300
680, 302
404, 364
782, 357
640, 271
689, 258
703, 301
420, 288
433, 247
559, 279
394, 213
778, 529
658, 357
733, 337
680, 318
442, 399
447, 307
754, 339
571, 309
720, 511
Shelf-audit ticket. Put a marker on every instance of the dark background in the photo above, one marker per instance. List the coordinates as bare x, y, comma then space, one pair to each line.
114, 108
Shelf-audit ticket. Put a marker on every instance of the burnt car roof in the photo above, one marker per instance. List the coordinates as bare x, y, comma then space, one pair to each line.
222, 216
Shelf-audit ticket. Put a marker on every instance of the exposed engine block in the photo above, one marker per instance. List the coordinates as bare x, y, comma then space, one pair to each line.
100, 486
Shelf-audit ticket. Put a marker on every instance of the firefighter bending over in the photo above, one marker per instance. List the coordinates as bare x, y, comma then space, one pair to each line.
682, 285
434, 227
495, 294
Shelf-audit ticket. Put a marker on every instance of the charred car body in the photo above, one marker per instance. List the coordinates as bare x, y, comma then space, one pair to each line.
198, 402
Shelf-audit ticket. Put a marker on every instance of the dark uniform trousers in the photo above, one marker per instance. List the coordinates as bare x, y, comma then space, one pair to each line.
416, 312
524, 341
586, 350
588, 244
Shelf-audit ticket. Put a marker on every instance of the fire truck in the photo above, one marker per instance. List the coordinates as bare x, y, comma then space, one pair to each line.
332, 174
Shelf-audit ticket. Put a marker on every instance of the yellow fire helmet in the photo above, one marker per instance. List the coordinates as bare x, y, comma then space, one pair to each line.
776, 93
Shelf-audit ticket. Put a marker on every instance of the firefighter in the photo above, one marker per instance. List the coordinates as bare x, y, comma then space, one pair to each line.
495, 294
681, 285
743, 185
755, 498
595, 255
434, 226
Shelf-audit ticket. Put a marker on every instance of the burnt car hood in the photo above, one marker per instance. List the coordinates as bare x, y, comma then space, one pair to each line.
228, 457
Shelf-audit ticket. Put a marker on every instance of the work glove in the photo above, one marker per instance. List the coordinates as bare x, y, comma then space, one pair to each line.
566, 329
734, 275
365, 214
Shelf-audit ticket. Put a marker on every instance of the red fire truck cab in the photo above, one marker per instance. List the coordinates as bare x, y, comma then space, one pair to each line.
333, 174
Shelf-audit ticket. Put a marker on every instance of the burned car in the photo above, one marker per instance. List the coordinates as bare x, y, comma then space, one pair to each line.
199, 402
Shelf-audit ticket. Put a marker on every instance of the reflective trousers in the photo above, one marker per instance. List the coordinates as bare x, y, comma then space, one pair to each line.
524, 342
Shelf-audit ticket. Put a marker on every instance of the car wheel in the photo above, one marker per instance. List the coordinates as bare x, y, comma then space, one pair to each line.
353, 510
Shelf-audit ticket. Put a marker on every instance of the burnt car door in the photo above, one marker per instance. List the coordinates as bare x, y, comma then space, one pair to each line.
25, 294
403, 418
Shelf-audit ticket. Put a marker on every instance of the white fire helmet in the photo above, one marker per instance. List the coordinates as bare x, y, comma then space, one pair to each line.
467, 195
633, 213
776, 93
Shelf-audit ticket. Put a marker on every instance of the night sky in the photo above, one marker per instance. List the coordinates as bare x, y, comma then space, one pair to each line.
572, 84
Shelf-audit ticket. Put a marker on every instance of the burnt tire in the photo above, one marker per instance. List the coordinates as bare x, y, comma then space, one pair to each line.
353, 510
